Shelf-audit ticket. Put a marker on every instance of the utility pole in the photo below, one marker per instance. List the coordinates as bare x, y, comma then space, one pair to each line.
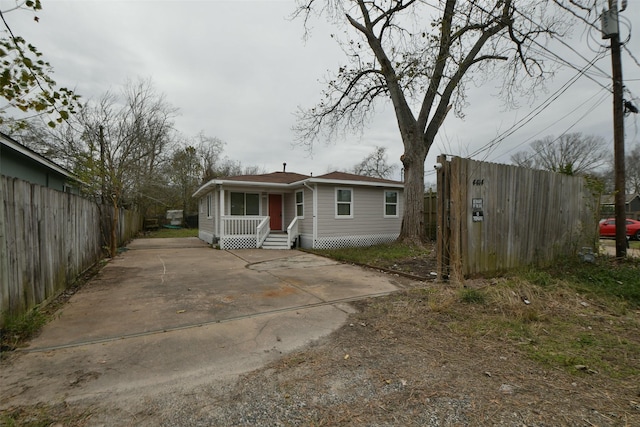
612, 32
103, 185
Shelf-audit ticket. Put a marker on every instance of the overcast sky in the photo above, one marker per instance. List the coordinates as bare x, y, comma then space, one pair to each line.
238, 70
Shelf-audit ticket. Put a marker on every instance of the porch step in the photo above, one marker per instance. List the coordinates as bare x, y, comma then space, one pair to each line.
275, 241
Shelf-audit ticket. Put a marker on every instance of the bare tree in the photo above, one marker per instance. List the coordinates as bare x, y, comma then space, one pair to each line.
185, 171
375, 164
421, 54
523, 159
214, 165
571, 154
115, 145
632, 172
210, 151
127, 137
200, 161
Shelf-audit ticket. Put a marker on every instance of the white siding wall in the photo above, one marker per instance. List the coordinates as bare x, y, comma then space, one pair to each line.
289, 209
368, 212
305, 224
206, 226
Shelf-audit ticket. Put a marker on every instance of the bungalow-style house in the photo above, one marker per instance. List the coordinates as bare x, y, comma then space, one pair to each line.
631, 206
18, 161
284, 209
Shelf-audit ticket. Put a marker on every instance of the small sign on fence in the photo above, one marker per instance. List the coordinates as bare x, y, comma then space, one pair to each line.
476, 211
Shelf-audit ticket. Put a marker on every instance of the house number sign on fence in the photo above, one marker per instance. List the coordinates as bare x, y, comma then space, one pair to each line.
477, 214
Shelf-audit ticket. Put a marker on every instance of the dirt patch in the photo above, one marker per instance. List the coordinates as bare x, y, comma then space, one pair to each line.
420, 267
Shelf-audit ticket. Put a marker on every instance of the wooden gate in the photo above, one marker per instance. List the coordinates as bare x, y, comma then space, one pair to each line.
494, 217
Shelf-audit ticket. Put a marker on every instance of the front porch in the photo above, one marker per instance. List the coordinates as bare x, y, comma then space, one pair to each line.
254, 232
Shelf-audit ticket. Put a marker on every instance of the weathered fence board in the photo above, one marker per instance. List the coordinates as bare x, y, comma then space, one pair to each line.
47, 239
430, 214
497, 217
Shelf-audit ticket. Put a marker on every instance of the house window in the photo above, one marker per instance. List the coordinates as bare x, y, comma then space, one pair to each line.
245, 204
390, 204
209, 205
300, 203
344, 203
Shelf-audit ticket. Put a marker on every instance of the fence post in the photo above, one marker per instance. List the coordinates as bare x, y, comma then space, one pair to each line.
457, 218
442, 218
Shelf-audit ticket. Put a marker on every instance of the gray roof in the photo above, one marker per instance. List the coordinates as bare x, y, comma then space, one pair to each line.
609, 199
14, 145
289, 179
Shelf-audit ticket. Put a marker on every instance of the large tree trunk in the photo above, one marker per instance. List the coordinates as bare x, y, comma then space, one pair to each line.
413, 230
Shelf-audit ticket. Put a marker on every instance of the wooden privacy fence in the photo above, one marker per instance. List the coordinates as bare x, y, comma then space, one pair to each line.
430, 214
47, 239
494, 217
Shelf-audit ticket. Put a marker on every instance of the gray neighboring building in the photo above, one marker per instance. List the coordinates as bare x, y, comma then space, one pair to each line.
18, 161
631, 206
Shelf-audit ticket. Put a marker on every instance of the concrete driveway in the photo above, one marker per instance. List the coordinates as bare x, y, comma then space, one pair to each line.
174, 311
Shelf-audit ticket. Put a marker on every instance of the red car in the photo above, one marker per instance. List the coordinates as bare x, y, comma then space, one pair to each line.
608, 228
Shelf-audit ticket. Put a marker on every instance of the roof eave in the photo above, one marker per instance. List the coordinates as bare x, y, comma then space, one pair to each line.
231, 183
202, 190
353, 182
9, 142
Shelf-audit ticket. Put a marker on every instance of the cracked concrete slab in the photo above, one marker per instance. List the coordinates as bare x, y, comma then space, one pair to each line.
168, 311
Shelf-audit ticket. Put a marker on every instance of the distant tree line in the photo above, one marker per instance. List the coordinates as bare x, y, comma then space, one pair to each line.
126, 151
578, 154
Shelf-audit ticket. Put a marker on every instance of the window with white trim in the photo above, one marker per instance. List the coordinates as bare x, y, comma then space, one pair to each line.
245, 204
300, 203
209, 205
344, 203
390, 204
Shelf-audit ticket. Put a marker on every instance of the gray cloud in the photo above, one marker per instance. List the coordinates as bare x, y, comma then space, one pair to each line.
238, 70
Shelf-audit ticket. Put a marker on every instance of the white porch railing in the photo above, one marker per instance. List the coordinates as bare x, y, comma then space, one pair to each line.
244, 232
262, 231
292, 232
240, 225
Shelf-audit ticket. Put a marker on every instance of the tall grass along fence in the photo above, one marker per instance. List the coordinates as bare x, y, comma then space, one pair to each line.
47, 239
495, 217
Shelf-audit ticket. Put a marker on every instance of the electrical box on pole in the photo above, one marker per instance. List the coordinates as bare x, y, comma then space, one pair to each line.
609, 23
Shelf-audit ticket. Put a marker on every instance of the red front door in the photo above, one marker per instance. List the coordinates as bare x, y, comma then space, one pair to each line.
275, 211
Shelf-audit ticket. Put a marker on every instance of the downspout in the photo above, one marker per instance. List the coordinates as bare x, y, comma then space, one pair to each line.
315, 213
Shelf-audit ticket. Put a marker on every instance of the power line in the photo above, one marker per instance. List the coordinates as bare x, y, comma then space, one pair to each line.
593, 107
534, 113
596, 104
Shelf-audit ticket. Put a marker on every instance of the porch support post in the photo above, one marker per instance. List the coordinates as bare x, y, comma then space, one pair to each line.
221, 213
